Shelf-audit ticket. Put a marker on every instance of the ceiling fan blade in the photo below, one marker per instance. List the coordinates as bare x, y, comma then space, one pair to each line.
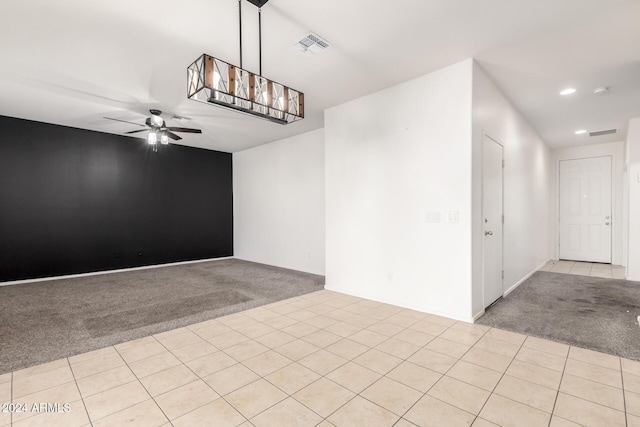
173, 136
187, 130
123, 121
136, 131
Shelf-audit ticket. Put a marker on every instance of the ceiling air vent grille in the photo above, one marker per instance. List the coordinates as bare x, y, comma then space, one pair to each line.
603, 132
312, 44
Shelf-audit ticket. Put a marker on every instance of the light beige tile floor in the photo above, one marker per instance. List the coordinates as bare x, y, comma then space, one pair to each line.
328, 359
607, 271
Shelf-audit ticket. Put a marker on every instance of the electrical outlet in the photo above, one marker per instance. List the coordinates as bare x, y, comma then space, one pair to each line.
453, 216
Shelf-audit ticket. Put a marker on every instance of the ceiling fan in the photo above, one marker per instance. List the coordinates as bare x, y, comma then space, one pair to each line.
158, 129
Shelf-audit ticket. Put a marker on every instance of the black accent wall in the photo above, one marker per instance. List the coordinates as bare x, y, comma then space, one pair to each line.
77, 201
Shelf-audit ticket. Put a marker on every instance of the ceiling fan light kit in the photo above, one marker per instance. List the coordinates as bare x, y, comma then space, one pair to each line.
214, 81
152, 138
157, 127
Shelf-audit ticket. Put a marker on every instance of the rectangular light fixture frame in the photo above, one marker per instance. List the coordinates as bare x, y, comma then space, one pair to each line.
218, 82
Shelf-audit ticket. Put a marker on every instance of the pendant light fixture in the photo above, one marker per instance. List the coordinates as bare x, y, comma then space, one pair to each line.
212, 80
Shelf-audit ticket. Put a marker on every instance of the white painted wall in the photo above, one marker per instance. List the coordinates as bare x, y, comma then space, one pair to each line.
616, 151
633, 159
279, 203
392, 157
527, 187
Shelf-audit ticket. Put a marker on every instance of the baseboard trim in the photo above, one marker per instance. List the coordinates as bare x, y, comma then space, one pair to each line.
121, 270
478, 315
399, 304
288, 267
521, 281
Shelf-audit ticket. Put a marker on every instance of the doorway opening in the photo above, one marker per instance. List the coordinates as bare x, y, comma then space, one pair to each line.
585, 210
492, 219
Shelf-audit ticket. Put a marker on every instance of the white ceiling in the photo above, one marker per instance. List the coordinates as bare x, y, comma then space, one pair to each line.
73, 62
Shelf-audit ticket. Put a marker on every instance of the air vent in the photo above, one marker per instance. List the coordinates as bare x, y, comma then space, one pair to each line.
312, 44
603, 132
181, 119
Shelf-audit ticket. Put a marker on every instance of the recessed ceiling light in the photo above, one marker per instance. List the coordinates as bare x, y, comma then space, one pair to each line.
581, 131
568, 91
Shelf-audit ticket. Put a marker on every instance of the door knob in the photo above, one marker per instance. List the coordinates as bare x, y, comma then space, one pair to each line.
488, 233
606, 217
606, 223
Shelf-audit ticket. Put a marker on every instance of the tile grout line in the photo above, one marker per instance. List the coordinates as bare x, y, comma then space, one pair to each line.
139, 382
459, 359
259, 375
302, 339
297, 361
593, 380
385, 375
199, 378
321, 376
289, 395
492, 392
597, 382
505, 374
252, 382
325, 376
39, 391
338, 367
531, 382
339, 407
590, 400
79, 392
442, 375
624, 394
153, 397
597, 403
564, 367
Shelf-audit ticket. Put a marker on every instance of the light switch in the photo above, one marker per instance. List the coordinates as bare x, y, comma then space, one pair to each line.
433, 216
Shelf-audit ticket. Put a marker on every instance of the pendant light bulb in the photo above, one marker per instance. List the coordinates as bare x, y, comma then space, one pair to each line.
152, 138
164, 138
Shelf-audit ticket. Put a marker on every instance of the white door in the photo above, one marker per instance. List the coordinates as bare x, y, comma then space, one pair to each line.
492, 167
585, 209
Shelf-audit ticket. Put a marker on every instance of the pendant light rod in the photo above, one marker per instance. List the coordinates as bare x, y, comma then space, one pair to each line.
260, 38
240, 27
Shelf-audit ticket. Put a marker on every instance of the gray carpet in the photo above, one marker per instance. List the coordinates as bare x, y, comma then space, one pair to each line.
589, 312
46, 321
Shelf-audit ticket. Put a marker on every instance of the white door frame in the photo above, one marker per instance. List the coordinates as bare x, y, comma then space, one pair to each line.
614, 211
485, 135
